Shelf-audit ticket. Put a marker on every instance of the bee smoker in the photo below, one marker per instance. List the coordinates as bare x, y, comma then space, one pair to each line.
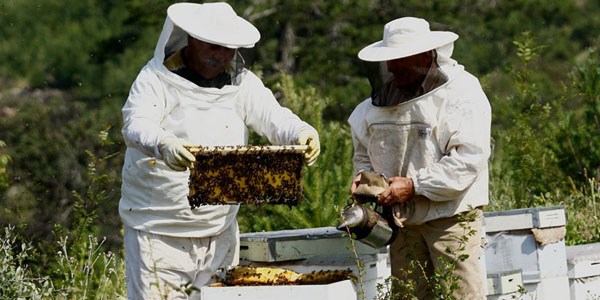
367, 225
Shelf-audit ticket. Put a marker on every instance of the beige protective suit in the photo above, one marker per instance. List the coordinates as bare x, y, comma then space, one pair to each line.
441, 140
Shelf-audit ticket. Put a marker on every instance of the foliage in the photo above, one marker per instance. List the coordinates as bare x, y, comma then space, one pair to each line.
91, 274
582, 210
16, 278
538, 61
45, 141
325, 184
72, 44
4, 160
83, 220
94, 274
527, 142
581, 127
78, 266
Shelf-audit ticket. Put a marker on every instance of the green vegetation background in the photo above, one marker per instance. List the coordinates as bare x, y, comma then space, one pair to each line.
67, 65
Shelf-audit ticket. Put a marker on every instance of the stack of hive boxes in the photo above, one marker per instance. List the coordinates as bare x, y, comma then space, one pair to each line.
526, 255
583, 262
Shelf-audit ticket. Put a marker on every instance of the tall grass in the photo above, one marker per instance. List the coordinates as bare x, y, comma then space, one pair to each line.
95, 274
77, 265
17, 280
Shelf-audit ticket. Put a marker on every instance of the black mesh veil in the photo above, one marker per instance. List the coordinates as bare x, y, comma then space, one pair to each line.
383, 90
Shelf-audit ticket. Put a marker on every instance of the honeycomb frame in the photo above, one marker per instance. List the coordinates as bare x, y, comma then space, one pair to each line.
246, 175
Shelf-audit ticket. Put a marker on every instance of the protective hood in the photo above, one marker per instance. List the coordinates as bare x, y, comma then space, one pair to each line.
381, 79
404, 37
173, 38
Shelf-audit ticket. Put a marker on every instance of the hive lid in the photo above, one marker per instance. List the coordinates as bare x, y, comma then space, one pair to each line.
525, 218
583, 260
295, 244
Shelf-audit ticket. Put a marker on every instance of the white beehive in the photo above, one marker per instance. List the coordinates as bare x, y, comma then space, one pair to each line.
342, 290
314, 249
530, 240
374, 270
504, 285
584, 271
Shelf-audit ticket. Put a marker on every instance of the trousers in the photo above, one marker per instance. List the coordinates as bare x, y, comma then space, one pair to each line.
174, 268
428, 259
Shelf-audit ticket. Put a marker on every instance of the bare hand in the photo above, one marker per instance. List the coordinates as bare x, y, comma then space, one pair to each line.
355, 183
401, 189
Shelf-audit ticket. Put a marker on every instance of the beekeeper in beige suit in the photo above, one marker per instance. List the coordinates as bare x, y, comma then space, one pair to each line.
426, 127
196, 91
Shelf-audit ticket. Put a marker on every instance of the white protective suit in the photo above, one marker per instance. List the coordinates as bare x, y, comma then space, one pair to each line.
162, 104
441, 140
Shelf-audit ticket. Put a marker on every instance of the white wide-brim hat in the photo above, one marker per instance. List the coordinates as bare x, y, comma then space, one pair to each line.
405, 37
214, 23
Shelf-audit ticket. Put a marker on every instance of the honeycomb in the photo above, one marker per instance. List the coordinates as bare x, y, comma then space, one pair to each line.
246, 175
255, 276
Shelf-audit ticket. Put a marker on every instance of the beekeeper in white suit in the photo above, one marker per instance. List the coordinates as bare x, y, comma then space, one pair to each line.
426, 127
195, 91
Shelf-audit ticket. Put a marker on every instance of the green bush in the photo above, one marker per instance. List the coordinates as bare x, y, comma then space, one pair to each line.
545, 123
524, 155
76, 265
546, 149
579, 123
325, 184
4, 160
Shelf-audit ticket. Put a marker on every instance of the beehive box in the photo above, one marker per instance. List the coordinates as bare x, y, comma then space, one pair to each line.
584, 271
286, 245
315, 249
513, 243
246, 175
525, 218
374, 271
334, 291
504, 285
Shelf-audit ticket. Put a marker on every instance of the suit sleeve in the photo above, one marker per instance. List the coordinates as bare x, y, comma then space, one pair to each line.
464, 135
143, 113
267, 117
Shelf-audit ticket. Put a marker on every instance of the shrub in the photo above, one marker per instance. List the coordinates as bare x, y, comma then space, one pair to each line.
325, 184
17, 280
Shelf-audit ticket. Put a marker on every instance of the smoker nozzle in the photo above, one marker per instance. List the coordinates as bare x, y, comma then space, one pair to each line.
352, 216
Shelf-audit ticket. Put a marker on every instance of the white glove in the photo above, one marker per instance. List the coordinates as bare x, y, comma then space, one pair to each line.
175, 155
311, 139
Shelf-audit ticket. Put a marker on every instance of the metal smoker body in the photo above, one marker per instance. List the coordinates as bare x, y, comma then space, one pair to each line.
364, 223
367, 225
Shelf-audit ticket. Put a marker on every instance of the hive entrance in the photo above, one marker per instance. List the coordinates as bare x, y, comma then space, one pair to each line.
246, 175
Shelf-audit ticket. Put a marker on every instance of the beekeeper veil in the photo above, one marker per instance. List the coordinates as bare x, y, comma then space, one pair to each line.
403, 37
215, 23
